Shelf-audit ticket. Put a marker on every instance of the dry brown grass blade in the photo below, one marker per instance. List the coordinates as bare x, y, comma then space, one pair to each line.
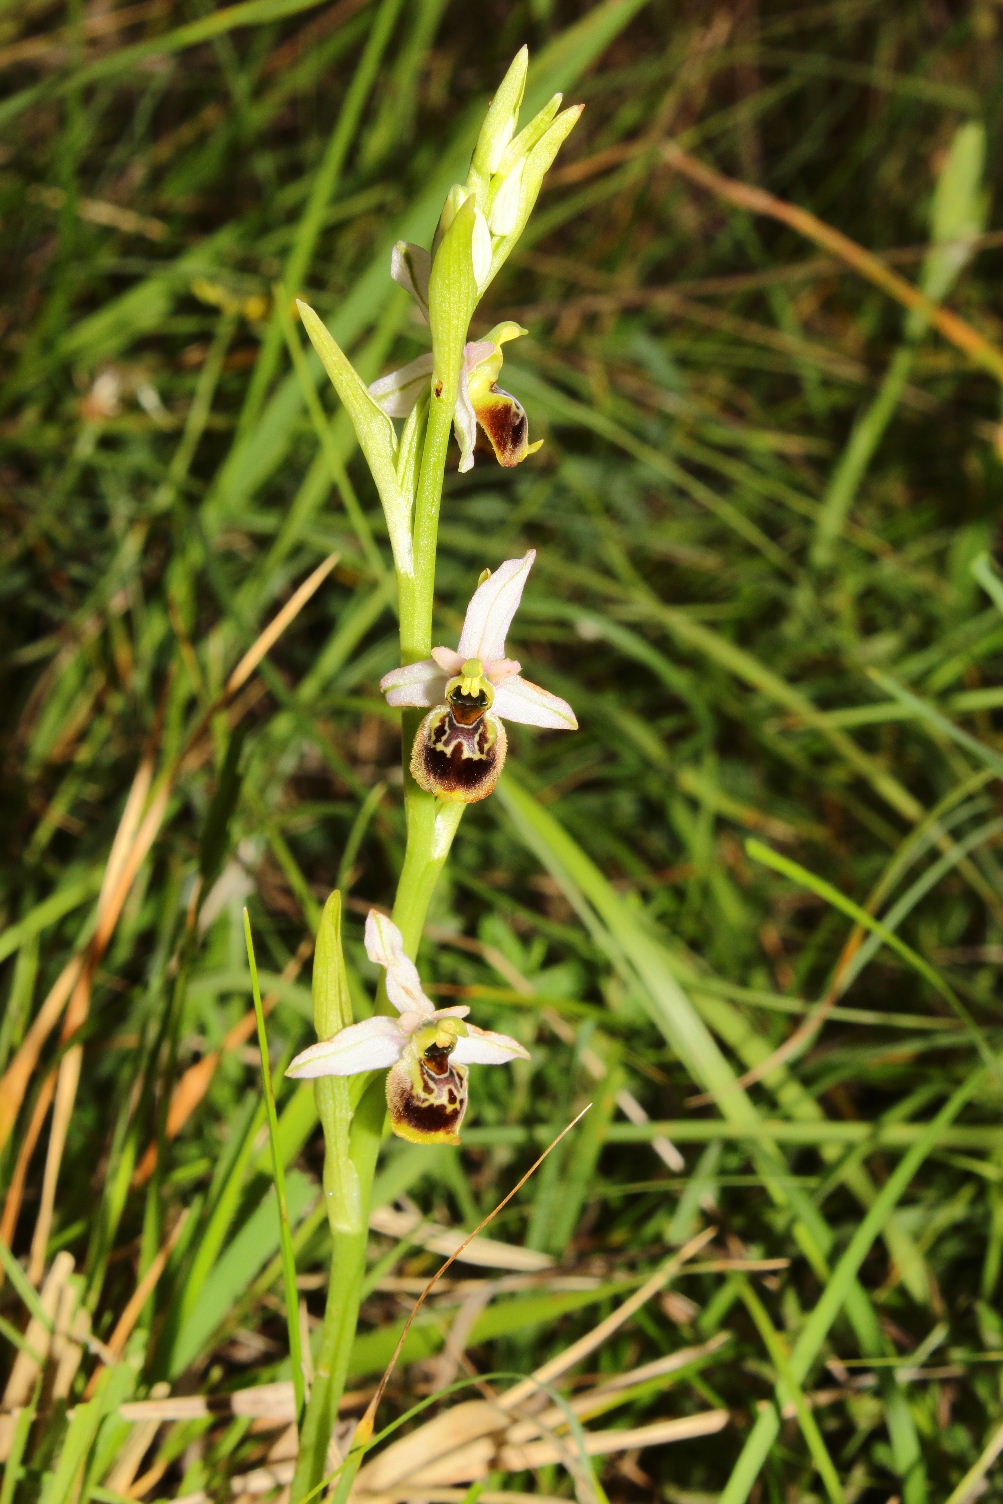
475, 1444
126, 858
272, 1402
138, 828
483, 1252
461, 1495
588, 1344
14, 1082
32, 1357
955, 329
514, 1457
134, 1307
130, 1457
70, 1341
67, 1082
364, 1430
464, 1442
18, 1180
470, 1441
270, 636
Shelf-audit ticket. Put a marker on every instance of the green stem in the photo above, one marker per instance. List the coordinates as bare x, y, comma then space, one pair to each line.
344, 1294
417, 592
431, 826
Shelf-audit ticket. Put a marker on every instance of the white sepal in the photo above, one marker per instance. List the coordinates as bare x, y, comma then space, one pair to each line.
373, 1045
422, 684
465, 426
397, 392
410, 267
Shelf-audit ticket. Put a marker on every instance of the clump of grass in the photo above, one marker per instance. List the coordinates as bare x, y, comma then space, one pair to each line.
765, 872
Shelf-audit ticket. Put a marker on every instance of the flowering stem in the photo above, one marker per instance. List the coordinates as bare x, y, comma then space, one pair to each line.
431, 826
447, 286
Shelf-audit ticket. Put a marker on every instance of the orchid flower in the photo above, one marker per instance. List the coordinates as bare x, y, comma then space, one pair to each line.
460, 747
479, 401
424, 1048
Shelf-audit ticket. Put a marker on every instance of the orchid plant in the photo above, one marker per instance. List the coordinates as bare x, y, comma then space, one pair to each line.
455, 755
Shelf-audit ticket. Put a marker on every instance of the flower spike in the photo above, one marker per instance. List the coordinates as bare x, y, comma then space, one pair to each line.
424, 1049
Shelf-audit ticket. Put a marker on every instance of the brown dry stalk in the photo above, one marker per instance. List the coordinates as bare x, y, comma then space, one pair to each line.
476, 1437
957, 330
38, 1338
599, 1334
364, 1429
134, 1306
18, 1180
124, 863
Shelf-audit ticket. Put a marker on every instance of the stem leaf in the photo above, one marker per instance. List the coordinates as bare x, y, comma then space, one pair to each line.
373, 429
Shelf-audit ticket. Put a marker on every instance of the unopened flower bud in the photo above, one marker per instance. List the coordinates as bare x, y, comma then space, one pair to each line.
501, 119
503, 215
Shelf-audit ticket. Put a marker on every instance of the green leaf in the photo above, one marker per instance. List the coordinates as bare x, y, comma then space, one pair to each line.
373, 429
332, 1001
957, 213
279, 1178
332, 1012
812, 1335
411, 441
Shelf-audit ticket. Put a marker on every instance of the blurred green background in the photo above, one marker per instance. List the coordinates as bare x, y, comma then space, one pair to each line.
765, 512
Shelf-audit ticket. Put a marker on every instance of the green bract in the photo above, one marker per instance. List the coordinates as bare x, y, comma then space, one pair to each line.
374, 431
452, 298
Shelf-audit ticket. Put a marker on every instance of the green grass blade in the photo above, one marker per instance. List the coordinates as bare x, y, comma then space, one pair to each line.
279, 1179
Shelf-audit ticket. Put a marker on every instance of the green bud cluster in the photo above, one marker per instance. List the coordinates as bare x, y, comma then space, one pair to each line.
507, 169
